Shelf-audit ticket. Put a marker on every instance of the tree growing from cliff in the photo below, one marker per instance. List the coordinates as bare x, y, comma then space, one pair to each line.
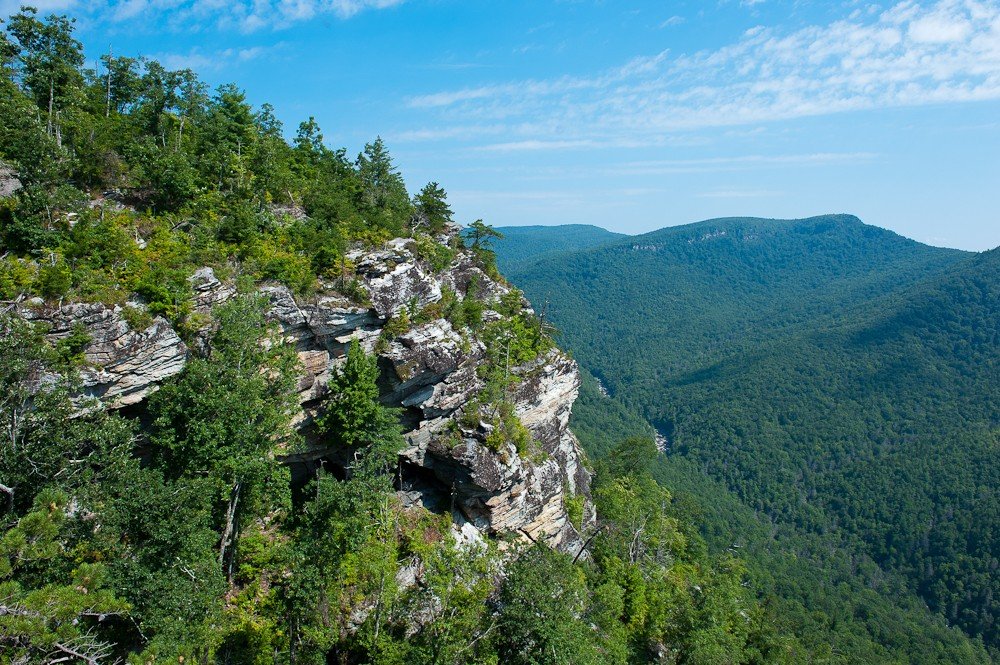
345, 538
227, 414
431, 208
354, 417
482, 235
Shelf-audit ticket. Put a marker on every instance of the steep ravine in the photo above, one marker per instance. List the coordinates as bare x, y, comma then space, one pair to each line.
429, 372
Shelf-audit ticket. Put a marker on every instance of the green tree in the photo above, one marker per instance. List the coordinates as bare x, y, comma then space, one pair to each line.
309, 140
383, 193
345, 536
50, 61
55, 622
431, 208
542, 603
226, 415
228, 140
483, 235
353, 416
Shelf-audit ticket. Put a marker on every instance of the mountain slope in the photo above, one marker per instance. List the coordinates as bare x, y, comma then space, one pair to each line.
526, 243
714, 287
839, 379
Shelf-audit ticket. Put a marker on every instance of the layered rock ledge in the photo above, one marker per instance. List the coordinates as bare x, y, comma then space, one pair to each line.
429, 372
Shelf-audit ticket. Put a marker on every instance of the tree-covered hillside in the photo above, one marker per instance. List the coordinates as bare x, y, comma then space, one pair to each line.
836, 379
137, 205
525, 243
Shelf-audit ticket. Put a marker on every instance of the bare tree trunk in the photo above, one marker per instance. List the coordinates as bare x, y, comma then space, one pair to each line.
107, 109
229, 533
586, 544
51, 100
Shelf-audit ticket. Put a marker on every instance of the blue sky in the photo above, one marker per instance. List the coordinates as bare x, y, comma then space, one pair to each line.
628, 115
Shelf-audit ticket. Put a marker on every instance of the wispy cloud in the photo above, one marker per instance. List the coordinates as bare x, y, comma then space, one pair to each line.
8, 7
200, 60
189, 15
908, 55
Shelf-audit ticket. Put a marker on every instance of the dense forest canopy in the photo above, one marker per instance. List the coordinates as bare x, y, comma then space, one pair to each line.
172, 531
831, 383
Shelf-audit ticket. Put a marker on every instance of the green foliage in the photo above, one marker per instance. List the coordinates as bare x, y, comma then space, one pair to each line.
353, 415
136, 318
16, 277
56, 620
49, 61
170, 531
519, 337
54, 278
574, 507
831, 378
344, 540
227, 414
397, 325
506, 427
439, 256
481, 236
431, 208
212, 177
543, 601
69, 349
383, 197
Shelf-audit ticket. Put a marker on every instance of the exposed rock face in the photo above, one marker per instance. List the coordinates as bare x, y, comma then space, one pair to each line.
208, 290
429, 372
500, 491
395, 278
123, 365
9, 182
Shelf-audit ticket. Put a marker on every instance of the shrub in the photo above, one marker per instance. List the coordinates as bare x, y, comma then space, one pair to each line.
54, 278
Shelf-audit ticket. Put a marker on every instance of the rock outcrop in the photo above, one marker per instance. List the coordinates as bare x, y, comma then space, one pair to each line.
122, 365
429, 372
9, 181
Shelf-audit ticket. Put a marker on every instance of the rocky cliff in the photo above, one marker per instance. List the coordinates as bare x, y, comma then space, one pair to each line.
428, 371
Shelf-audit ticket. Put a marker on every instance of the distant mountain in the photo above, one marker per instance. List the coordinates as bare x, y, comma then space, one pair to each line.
524, 243
841, 382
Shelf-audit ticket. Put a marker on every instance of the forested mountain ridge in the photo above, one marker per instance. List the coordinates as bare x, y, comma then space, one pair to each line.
840, 380
739, 278
525, 243
261, 405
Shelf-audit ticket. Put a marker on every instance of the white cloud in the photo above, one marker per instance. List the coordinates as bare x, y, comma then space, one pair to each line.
939, 28
535, 144
201, 61
189, 15
739, 163
10, 7
908, 55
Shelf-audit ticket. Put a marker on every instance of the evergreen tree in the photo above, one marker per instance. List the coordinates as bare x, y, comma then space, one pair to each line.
432, 208
383, 194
